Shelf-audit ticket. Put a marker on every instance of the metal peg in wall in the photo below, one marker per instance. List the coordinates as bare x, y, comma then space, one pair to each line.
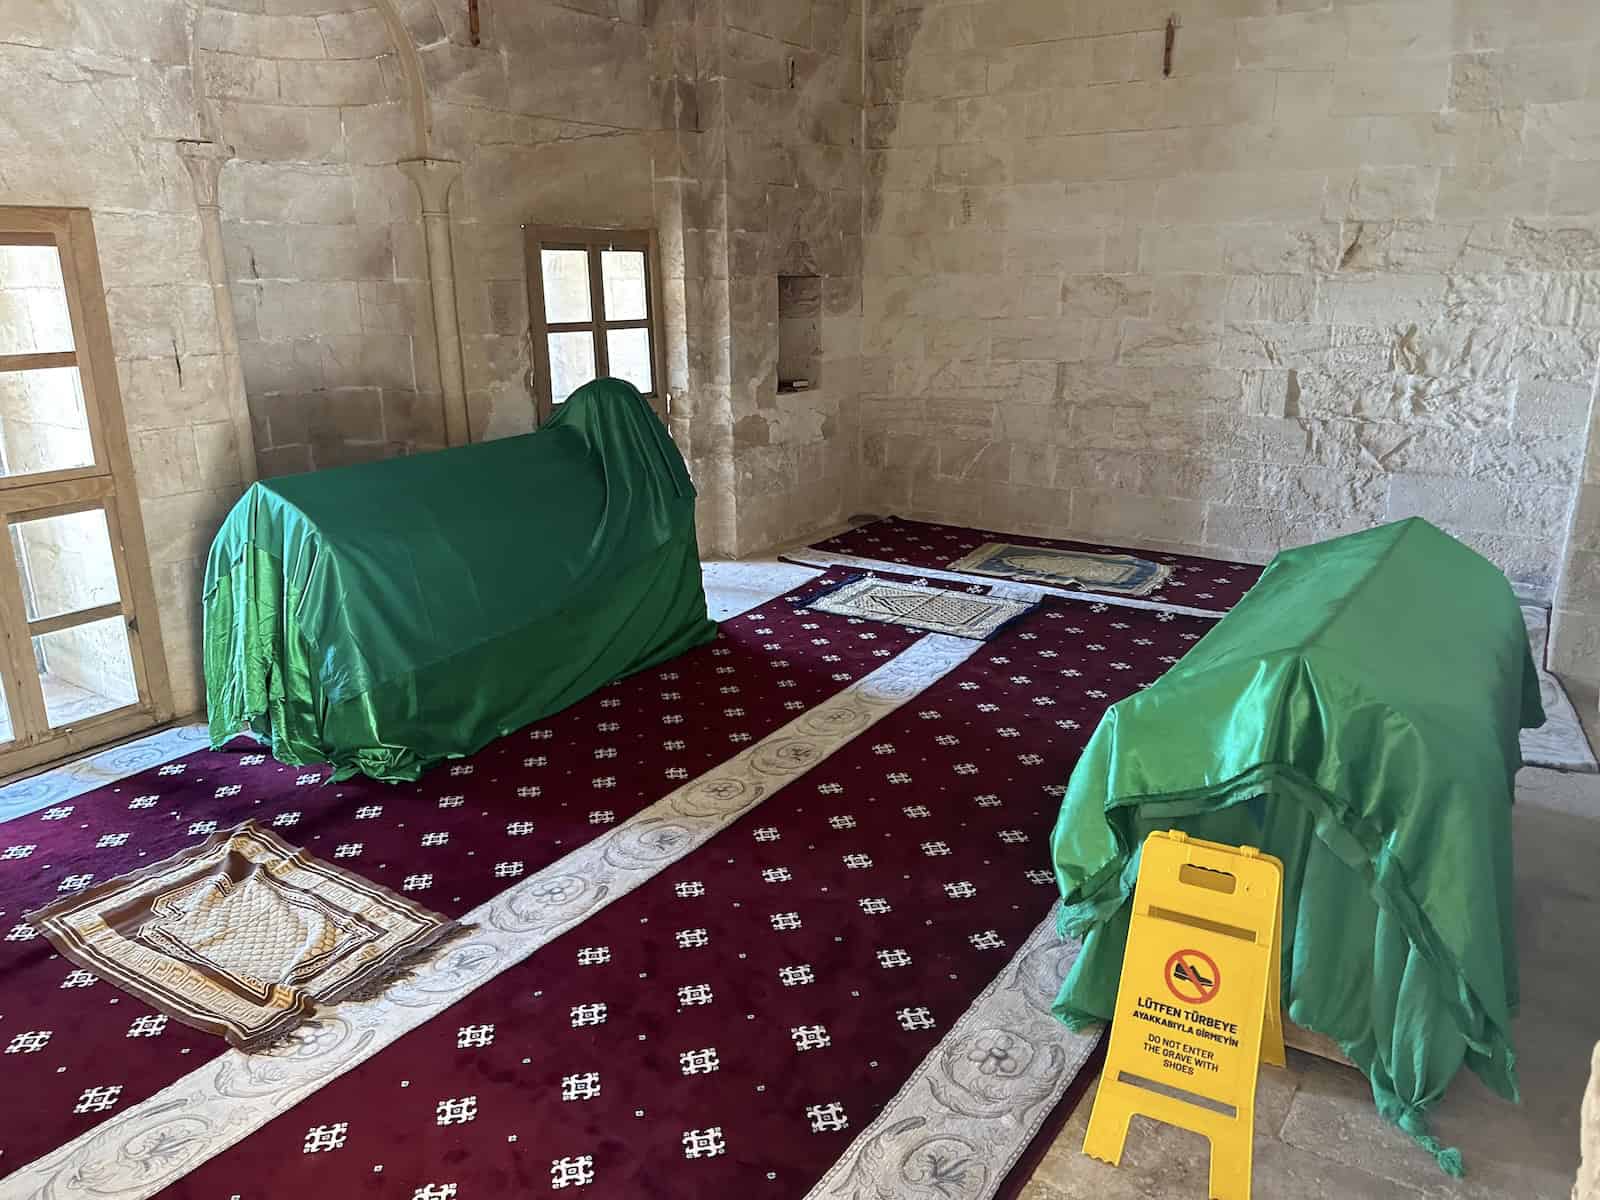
1172, 40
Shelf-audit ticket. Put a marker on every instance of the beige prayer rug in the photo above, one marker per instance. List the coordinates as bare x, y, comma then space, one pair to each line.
918, 607
1122, 574
244, 935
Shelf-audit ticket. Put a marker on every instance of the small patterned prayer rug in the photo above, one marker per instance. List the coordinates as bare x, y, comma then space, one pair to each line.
243, 936
1200, 583
1122, 574
919, 607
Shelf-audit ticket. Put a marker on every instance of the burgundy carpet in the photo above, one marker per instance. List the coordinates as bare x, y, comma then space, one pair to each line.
1195, 582
734, 1022
514, 807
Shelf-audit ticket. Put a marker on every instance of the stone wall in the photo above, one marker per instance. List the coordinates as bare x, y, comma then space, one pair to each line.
99, 95
793, 94
566, 114
730, 126
1339, 268
1575, 619
556, 121
323, 233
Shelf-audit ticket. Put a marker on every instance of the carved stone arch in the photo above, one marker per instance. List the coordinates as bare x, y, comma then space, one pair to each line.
406, 32
405, 41
313, 108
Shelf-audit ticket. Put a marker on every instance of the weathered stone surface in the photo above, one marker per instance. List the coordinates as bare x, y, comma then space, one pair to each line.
1573, 187
1120, 515
282, 133
253, 191
259, 35
1379, 283
1271, 298
1382, 300
1282, 248
1392, 194
1179, 248
1517, 76
152, 322
1373, 86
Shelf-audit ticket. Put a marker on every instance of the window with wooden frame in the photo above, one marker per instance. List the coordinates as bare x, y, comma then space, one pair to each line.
594, 311
80, 653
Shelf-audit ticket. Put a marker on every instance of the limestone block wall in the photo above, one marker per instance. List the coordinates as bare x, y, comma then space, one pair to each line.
556, 118
323, 233
793, 93
1339, 268
1575, 617
99, 95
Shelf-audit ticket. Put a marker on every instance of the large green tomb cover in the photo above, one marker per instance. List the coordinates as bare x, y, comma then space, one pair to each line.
1356, 715
385, 616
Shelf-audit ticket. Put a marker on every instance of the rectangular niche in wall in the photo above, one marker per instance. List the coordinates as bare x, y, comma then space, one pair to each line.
799, 331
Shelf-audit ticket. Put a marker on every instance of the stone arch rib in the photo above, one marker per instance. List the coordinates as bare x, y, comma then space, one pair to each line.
417, 99
405, 48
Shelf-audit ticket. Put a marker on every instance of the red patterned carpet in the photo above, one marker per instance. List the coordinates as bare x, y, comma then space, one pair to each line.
513, 808
676, 984
1195, 582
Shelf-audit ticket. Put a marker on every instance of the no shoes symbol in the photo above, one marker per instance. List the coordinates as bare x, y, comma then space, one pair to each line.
1192, 976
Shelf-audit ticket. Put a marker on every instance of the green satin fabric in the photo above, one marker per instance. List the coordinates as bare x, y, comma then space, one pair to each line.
1356, 714
386, 616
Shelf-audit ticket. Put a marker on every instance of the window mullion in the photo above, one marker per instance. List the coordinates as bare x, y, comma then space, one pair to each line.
597, 301
24, 690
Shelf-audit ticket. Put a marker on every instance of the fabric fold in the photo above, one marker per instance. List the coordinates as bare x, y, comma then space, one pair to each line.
1356, 715
386, 616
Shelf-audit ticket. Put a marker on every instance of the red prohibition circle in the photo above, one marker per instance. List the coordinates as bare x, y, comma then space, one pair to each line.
1192, 976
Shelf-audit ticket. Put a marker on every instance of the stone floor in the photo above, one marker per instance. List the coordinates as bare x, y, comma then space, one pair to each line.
1317, 1133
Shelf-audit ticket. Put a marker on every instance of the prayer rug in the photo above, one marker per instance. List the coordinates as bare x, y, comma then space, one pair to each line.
243, 936
1200, 583
1120, 574
938, 610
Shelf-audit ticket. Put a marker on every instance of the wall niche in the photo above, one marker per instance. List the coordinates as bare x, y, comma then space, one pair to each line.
799, 332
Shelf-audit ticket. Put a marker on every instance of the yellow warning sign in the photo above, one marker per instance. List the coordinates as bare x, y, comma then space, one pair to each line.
1198, 1006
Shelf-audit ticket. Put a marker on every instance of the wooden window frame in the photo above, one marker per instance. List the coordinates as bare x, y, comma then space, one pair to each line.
107, 485
594, 242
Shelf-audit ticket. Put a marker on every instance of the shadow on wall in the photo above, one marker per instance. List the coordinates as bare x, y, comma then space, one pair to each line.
891, 31
1321, 277
325, 252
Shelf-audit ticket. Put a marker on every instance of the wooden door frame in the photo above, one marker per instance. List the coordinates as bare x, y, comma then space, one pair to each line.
108, 485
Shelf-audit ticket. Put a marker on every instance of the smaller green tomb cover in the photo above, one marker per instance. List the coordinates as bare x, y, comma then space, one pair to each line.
1357, 715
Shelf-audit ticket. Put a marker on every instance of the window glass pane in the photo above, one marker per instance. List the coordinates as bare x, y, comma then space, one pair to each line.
65, 563
43, 423
571, 363
622, 272
33, 301
6, 732
629, 352
566, 285
85, 671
